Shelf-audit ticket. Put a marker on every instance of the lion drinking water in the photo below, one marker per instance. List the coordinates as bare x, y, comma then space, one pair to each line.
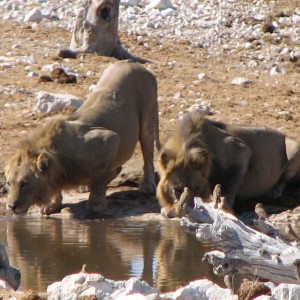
89, 147
248, 162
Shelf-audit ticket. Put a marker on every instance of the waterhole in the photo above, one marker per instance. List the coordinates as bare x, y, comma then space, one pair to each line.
161, 253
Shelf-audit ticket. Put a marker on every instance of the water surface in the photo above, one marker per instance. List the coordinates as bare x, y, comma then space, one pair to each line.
161, 253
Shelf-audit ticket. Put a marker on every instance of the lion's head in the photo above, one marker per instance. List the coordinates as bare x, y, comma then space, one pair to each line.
184, 162
33, 172
27, 181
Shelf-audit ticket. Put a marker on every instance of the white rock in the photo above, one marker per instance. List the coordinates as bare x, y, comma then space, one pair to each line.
47, 102
51, 67
203, 289
160, 4
240, 81
283, 113
34, 15
276, 70
130, 2
32, 74
26, 60
252, 64
287, 291
5, 66
204, 109
178, 96
201, 76
168, 12
16, 46
83, 284
241, 102
133, 286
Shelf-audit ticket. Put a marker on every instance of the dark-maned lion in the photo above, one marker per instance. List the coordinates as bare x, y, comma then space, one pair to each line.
89, 147
247, 161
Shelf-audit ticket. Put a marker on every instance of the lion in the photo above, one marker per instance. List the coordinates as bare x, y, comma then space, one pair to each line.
89, 147
248, 162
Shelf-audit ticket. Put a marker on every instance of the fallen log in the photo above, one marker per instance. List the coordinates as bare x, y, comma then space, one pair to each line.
241, 249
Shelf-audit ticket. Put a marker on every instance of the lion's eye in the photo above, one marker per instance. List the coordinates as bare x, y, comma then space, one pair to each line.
23, 184
8, 183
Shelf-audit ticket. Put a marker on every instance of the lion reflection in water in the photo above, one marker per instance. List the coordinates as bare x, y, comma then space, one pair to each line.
164, 253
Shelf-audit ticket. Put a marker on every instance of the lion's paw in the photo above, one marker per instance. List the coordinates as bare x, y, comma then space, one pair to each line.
167, 212
148, 186
96, 206
50, 209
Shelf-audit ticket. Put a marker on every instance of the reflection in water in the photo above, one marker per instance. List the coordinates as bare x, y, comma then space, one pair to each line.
46, 250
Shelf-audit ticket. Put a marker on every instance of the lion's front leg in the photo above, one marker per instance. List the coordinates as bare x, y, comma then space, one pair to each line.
97, 199
54, 206
148, 185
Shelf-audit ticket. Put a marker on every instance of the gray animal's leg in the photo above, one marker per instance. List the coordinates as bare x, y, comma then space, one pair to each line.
148, 184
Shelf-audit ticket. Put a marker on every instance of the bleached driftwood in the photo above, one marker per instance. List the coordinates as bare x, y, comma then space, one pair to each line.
241, 249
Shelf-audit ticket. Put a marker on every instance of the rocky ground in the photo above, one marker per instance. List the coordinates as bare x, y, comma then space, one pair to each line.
197, 49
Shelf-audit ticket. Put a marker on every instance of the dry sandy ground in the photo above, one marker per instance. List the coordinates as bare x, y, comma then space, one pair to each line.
254, 104
263, 97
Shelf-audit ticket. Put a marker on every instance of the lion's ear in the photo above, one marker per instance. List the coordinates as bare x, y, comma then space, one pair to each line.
199, 157
42, 162
165, 157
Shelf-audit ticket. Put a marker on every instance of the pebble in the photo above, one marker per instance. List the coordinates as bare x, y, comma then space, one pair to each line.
276, 70
212, 24
160, 4
130, 2
240, 81
34, 15
32, 74
203, 108
201, 76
